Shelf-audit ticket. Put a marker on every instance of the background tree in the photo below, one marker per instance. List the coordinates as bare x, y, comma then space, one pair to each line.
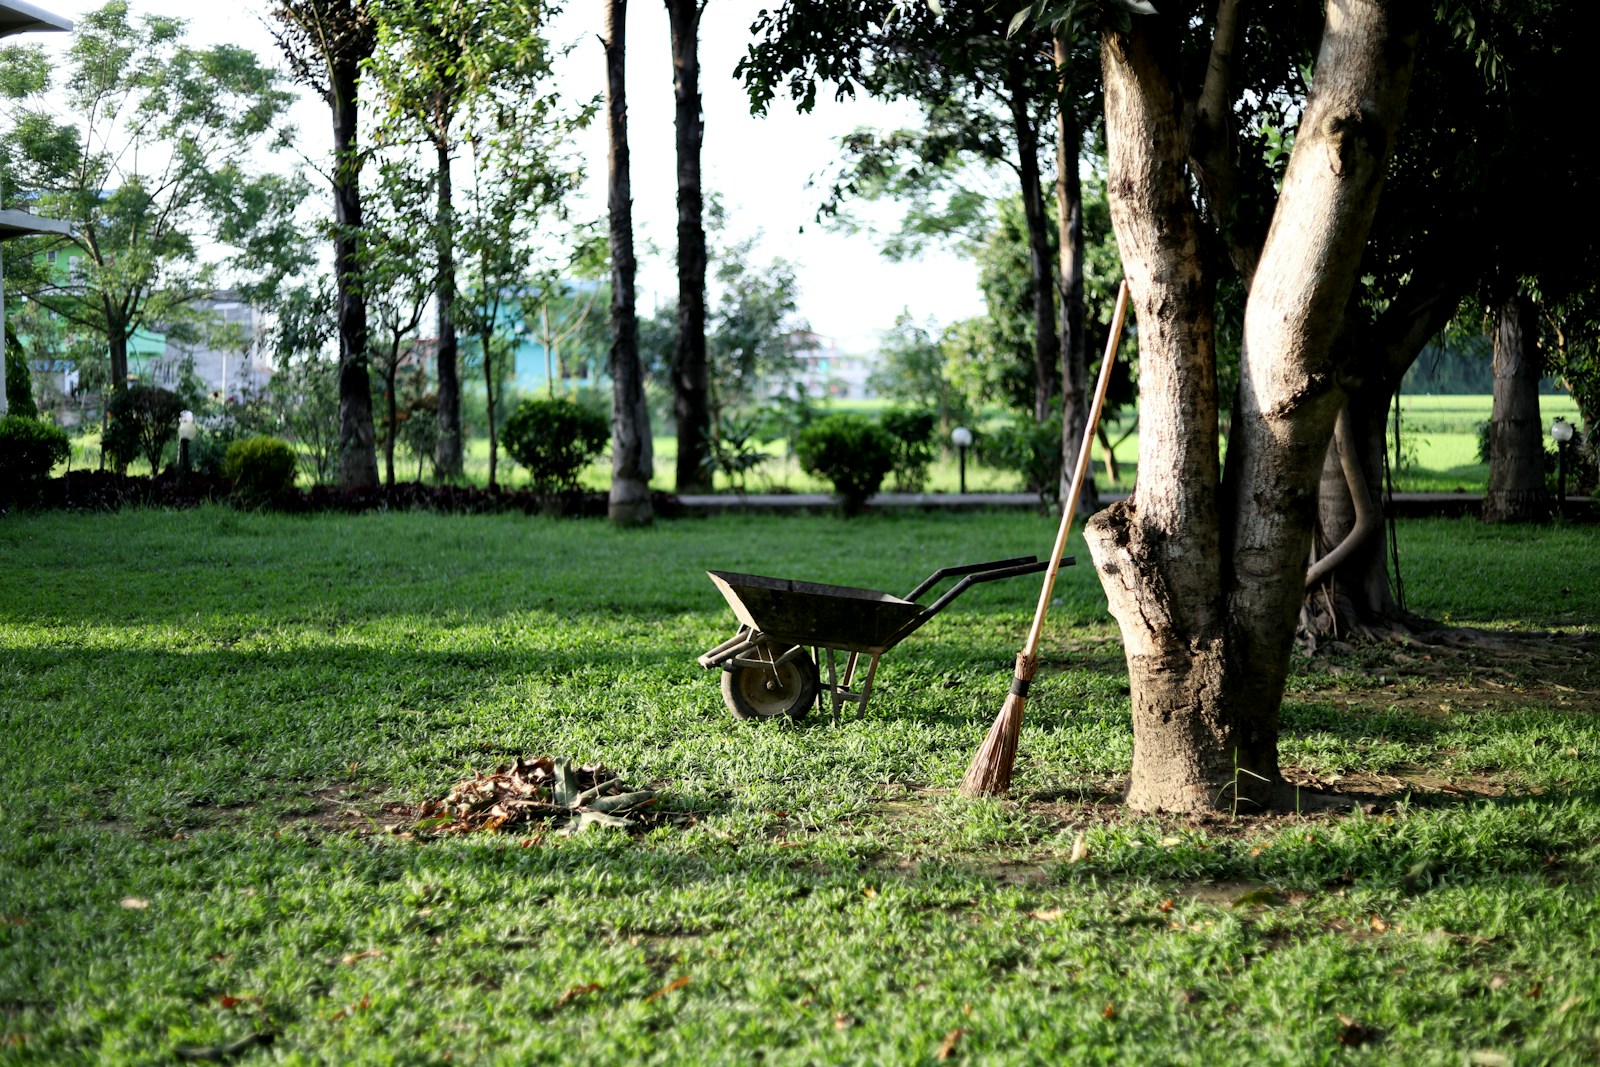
398, 291
632, 462
154, 157
326, 44
691, 388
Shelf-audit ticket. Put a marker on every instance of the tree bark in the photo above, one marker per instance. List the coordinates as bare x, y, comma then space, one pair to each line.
632, 463
490, 401
392, 411
691, 387
1046, 345
449, 448
1516, 434
1206, 585
117, 340
1075, 397
358, 461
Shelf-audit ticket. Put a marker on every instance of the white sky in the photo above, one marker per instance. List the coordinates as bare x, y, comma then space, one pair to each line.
760, 167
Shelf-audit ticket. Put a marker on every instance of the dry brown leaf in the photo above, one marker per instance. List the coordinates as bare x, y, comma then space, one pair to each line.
1049, 915
357, 957
1165, 906
1571, 1002
947, 1047
841, 1021
577, 991
1109, 1011
869, 892
134, 903
1377, 924
677, 983
1353, 1034
1080, 849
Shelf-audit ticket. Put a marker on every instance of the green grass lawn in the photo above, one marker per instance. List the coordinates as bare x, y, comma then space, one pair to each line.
208, 718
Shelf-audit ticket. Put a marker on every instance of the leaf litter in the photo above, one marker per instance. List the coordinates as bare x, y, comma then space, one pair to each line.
544, 793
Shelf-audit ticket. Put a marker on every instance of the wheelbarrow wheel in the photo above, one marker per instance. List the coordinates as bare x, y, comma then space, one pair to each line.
763, 692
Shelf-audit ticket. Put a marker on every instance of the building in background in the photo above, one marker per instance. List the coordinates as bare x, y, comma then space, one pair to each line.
823, 369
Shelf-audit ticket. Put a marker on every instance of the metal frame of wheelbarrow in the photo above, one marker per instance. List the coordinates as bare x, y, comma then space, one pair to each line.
780, 618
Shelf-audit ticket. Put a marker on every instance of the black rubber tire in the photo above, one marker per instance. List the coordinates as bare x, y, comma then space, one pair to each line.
762, 693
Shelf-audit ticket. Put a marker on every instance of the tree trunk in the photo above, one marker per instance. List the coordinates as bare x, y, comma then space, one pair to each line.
1207, 585
1516, 435
117, 337
392, 410
691, 402
1046, 345
631, 461
485, 341
1075, 397
358, 461
448, 450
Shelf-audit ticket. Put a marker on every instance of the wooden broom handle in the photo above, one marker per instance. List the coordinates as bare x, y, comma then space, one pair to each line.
1070, 505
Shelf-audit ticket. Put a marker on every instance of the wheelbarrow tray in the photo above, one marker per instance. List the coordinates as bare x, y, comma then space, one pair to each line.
811, 613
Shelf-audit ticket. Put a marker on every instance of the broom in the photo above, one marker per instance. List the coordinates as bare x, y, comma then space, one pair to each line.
990, 773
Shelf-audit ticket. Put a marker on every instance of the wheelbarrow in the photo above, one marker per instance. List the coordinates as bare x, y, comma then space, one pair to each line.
766, 669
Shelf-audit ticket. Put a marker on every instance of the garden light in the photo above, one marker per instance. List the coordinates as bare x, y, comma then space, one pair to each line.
1561, 433
186, 432
961, 437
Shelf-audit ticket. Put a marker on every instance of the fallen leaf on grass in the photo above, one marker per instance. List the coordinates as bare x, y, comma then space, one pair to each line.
1571, 1002
1488, 1058
1352, 1034
577, 991
1109, 1011
1377, 924
357, 957
1049, 915
843, 1022
217, 1053
947, 1047
1165, 906
677, 983
134, 903
226, 1001
1080, 850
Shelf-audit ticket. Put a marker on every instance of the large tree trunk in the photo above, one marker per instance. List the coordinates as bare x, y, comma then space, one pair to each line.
118, 343
631, 461
1046, 346
1075, 398
448, 450
358, 460
1207, 585
691, 390
1516, 435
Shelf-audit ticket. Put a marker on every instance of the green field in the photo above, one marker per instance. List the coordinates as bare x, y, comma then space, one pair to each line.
213, 726
1439, 452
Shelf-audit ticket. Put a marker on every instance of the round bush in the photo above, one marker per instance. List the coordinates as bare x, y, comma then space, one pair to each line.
912, 430
28, 449
554, 440
262, 468
851, 451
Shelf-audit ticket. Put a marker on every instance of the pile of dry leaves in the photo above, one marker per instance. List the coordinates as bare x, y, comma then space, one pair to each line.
544, 793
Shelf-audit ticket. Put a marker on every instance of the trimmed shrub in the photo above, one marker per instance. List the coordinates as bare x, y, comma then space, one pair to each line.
143, 422
29, 448
1029, 448
555, 440
912, 430
262, 468
851, 451
19, 379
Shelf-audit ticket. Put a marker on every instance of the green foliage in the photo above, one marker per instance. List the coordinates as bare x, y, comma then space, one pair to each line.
912, 430
29, 449
554, 440
142, 422
851, 451
19, 380
734, 449
262, 468
1032, 449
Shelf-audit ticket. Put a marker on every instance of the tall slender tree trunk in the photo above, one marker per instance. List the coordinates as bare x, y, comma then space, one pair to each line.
1516, 436
1075, 398
449, 448
118, 343
358, 461
392, 412
632, 463
1046, 345
691, 389
1207, 583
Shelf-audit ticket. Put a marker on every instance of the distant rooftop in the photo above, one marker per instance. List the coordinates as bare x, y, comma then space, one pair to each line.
19, 17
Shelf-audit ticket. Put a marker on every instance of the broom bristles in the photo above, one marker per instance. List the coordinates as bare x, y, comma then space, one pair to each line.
990, 772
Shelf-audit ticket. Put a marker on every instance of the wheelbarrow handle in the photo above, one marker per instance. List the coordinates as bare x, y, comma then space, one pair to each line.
973, 568
973, 579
